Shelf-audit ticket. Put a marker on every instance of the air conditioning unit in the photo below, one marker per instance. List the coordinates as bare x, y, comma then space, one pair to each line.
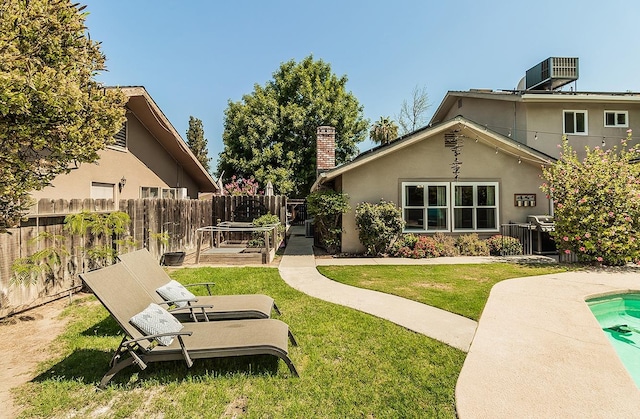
308, 228
552, 73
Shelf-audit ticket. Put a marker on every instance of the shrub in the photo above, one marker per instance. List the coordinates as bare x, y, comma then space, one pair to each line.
379, 226
326, 207
597, 203
257, 238
504, 245
471, 245
445, 245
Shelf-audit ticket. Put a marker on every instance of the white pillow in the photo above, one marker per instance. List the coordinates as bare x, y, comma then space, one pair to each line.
175, 291
154, 320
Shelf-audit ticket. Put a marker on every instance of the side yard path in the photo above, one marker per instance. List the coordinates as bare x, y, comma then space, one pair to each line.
298, 269
26, 340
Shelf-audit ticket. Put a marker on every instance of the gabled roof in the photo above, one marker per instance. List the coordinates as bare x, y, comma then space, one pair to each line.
532, 96
469, 129
148, 112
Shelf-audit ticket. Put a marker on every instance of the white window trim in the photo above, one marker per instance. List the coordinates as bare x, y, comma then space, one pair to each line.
451, 207
586, 122
157, 188
616, 113
475, 206
425, 206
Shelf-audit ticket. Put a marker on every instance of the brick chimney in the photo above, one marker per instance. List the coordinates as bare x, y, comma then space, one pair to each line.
326, 148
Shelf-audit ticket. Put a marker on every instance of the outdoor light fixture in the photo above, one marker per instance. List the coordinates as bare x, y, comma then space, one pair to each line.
122, 182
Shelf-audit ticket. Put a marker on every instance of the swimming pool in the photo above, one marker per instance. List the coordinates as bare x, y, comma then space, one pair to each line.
619, 316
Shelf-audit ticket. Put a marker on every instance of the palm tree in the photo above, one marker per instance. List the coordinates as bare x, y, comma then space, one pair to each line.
383, 130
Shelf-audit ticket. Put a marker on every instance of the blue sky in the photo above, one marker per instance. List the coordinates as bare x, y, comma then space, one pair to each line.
194, 56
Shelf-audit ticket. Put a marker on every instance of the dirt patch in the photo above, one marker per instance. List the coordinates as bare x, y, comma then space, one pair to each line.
445, 287
236, 408
27, 341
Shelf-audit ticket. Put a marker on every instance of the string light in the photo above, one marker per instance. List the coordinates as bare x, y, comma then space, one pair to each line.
519, 160
535, 137
496, 150
603, 142
509, 135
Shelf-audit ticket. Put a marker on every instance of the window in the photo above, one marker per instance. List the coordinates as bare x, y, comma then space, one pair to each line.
149, 192
102, 190
425, 206
475, 206
434, 206
575, 122
616, 118
120, 139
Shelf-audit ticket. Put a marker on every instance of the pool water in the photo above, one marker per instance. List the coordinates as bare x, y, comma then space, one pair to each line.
619, 316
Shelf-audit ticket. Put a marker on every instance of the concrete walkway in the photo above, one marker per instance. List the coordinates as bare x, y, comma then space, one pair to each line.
298, 269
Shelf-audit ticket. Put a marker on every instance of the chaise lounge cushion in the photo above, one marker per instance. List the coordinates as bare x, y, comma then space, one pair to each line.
155, 320
174, 291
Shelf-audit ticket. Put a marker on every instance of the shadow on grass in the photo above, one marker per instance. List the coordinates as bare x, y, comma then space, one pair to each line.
87, 366
105, 328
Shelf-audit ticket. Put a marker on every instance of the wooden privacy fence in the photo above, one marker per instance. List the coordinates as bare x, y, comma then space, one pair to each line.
150, 218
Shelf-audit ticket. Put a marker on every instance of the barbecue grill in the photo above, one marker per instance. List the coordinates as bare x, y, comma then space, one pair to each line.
542, 225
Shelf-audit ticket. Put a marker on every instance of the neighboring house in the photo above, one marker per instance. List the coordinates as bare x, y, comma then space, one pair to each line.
149, 159
539, 118
505, 139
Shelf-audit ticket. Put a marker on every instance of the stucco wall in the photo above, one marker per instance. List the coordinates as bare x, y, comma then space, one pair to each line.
145, 163
546, 120
429, 160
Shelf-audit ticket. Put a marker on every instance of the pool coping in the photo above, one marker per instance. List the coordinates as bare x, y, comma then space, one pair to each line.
539, 352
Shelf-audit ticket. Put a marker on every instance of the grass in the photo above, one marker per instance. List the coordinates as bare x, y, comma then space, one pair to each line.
351, 365
460, 289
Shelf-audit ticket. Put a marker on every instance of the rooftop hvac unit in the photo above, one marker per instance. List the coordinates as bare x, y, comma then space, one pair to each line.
552, 73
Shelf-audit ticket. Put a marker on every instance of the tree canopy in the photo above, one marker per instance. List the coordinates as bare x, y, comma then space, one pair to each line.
197, 143
53, 115
271, 133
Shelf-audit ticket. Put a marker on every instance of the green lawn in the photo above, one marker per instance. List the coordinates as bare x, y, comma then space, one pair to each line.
461, 289
350, 364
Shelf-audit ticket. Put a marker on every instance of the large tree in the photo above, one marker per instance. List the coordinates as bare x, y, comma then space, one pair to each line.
271, 133
53, 114
197, 143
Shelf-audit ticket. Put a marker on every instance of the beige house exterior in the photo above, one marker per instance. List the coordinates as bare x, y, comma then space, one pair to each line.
498, 181
539, 118
149, 160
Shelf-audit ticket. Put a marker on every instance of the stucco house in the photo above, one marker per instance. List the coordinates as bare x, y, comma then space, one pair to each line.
149, 159
498, 180
478, 164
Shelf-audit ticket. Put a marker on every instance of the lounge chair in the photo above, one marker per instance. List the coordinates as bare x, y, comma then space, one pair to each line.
189, 341
152, 277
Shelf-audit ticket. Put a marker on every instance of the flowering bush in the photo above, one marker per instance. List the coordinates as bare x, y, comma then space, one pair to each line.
597, 203
445, 245
326, 207
241, 186
379, 226
415, 247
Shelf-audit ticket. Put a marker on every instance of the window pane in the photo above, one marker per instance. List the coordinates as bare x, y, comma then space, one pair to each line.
486, 196
414, 196
486, 218
437, 196
568, 123
464, 196
102, 190
610, 118
622, 119
463, 218
414, 219
580, 123
437, 218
